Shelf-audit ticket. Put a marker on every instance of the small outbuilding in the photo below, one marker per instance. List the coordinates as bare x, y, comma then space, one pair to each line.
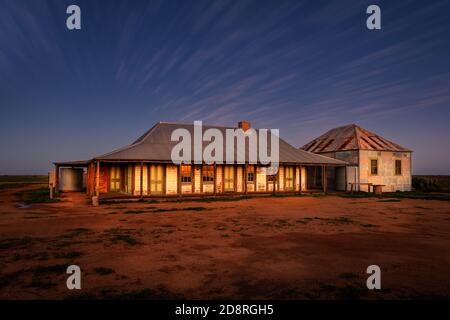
375, 162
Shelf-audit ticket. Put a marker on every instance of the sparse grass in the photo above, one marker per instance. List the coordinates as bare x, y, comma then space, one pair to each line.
125, 238
16, 242
134, 212
27, 179
57, 268
350, 293
369, 225
328, 288
343, 220
40, 284
12, 277
181, 209
318, 195
33, 256
77, 232
195, 209
144, 294
68, 255
281, 223
103, 271
5, 186
81, 296
38, 273
348, 275
399, 195
121, 235
303, 221
237, 198
339, 220
40, 195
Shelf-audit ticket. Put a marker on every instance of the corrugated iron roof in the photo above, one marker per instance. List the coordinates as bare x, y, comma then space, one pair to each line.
351, 137
156, 145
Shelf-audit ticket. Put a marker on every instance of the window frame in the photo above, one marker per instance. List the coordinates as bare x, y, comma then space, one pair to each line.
371, 167
210, 169
250, 171
182, 176
395, 167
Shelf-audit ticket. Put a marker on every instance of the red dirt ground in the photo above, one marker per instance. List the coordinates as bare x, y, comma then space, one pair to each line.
262, 248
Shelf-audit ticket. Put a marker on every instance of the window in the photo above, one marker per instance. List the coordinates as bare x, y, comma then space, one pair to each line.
186, 176
208, 174
250, 174
289, 178
374, 167
272, 178
398, 167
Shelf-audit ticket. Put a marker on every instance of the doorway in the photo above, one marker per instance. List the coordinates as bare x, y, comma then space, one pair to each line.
156, 179
229, 178
114, 179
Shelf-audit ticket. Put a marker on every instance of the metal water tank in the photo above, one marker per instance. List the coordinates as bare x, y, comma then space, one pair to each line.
71, 179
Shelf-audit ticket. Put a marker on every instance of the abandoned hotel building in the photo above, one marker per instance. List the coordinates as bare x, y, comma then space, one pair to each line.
348, 157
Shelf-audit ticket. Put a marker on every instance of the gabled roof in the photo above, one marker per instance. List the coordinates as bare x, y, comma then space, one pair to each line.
156, 145
351, 137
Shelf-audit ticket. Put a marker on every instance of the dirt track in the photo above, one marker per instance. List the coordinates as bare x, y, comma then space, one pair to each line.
285, 248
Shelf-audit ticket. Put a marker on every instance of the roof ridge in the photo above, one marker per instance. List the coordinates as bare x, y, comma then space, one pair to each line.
357, 136
191, 124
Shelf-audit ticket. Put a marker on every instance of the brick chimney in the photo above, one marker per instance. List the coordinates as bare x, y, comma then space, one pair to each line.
244, 125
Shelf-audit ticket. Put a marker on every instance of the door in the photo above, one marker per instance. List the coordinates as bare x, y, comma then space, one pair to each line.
229, 178
314, 177
289, 178
156, 179
114, 175
128, 178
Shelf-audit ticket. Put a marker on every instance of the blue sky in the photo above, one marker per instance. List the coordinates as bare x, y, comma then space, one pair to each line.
301, 66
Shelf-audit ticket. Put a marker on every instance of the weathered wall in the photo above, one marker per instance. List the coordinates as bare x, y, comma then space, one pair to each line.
260, 180
339, 178
104, 179
349, 156
208, 187
386, 170
352, 176
219, 184
90, 179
